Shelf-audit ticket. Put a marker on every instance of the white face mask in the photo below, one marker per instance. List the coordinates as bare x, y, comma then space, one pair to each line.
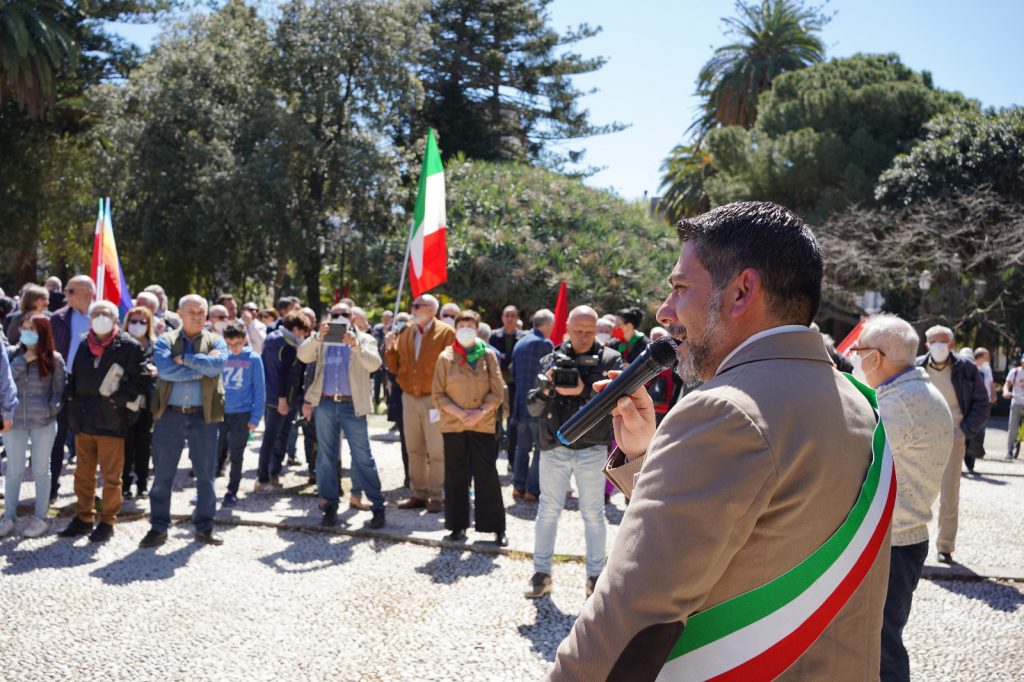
604, 338
101, 324
939, 351
858, 367
219, 326
138, 329
450, 321
466, 336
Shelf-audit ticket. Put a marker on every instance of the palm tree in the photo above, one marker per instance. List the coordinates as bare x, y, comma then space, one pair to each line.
33, 46
775, 36
682, 182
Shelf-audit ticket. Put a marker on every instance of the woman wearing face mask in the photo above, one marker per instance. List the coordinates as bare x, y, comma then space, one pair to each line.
468, 389
605, 329
138, 441
632, 341
39, 376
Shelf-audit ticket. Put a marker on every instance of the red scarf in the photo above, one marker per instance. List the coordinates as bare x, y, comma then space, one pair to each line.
98, 347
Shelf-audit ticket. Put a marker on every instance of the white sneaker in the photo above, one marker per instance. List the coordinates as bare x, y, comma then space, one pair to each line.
36, 527
6, 526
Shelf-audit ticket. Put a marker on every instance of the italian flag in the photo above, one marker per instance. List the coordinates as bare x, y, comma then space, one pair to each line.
759, 634
428, 250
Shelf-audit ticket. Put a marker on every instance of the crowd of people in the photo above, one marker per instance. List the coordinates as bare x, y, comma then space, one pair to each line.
122, 395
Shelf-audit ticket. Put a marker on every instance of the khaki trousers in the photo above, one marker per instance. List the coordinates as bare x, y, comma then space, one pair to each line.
949, 496
426, 447
108, 453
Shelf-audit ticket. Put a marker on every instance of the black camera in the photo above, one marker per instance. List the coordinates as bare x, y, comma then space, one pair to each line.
564, 372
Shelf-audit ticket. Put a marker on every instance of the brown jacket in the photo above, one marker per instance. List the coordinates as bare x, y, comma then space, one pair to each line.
456, 383
364, 359
416, 375
744, 478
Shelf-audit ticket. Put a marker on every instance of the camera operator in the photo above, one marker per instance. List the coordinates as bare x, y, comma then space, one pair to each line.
566, 385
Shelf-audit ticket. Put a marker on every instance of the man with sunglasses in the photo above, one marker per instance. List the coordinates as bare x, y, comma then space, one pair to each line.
920, 430
411, 356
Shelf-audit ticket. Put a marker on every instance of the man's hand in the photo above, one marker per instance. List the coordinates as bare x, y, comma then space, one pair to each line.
389, 340
7, 426
324, 328
307, 411
179, 360
632, 419
350, 339
282, 406
571, 391
246, 317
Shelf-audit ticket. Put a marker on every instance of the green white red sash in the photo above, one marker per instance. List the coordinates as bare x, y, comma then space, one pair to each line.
759, 634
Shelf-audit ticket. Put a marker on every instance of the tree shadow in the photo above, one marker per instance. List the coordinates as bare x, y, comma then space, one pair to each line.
144, 564
59, 554
307, 553
549, 628
452, 565
997, 596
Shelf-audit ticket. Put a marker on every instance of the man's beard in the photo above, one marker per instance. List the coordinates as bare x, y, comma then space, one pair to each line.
701, 353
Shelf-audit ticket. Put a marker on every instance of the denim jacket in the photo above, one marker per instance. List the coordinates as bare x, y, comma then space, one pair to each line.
39, 398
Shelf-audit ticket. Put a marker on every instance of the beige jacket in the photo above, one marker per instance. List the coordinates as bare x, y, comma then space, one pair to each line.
456, 383
745, 477
363, 360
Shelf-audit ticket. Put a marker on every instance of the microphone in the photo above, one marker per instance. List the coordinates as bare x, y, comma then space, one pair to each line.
656, 358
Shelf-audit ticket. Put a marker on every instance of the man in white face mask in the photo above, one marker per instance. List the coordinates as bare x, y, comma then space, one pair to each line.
963, 387
920, 430
218, 319
449, 311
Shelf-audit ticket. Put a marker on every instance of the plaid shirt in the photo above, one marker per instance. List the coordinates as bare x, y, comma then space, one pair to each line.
525, 367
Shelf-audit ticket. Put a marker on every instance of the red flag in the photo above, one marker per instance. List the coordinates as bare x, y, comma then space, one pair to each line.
561, 316
851, 338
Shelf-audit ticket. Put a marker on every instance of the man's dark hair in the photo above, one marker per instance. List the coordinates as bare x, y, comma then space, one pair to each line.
284, 303
768, 238
296, 320
223, 298
234, 330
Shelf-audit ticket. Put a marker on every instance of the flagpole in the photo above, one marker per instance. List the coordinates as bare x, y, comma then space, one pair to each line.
405, 267
99, 266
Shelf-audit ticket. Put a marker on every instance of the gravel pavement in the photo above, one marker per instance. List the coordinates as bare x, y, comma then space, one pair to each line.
282, 599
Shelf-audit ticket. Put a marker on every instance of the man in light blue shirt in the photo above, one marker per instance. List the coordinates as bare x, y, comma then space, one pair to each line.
188, 406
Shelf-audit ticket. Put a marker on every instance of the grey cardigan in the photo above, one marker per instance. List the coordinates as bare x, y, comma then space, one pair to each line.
39, 398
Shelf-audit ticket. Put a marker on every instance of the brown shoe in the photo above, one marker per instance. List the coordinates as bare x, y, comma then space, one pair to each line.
529, 497
516, 492
435, 506
413, 503
357, 503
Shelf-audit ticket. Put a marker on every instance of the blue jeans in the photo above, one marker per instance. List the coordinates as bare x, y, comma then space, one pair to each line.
234, 434
905, 566
169, 436
526, 473
271, 458
556, 466
17, 443
331, 419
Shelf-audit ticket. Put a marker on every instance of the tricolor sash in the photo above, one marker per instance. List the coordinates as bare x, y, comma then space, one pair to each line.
761, 633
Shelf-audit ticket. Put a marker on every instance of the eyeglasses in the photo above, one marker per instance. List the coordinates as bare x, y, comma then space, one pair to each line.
859, 350
418, 305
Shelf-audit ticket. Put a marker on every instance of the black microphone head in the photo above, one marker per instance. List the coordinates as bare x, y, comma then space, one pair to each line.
663, 351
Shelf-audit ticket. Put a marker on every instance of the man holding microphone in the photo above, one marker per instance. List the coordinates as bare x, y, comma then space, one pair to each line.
756, 542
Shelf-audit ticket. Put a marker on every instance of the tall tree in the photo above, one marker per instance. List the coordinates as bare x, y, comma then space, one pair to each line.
35, 43
345, 72
682, 182
825, 133
498, 82
773, 37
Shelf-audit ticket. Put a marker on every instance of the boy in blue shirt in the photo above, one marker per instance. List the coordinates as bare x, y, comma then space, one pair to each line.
244, 394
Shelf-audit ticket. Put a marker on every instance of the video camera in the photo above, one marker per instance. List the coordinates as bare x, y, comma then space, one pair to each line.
565, 370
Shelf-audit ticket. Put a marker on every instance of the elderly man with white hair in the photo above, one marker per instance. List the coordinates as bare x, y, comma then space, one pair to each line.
919, 425
105, 386
963, 387
412, 356
188, 405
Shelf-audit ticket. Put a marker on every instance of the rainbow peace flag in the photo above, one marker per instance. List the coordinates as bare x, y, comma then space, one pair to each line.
106, 267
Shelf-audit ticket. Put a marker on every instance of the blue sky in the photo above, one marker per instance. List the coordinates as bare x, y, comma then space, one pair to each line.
656, 47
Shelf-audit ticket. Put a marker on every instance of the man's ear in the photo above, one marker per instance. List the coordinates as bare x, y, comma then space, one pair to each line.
743, 293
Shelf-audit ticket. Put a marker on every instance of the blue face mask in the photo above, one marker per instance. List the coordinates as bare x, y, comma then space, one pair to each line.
29, 338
